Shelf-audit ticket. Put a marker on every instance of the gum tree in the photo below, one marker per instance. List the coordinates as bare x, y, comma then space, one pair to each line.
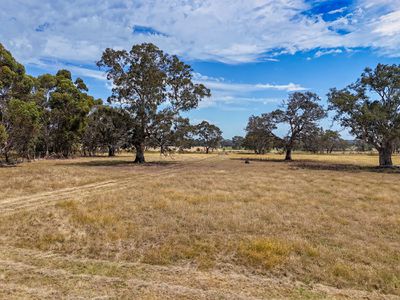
370, 108
300, 112
147, 81
259, 136
209, 135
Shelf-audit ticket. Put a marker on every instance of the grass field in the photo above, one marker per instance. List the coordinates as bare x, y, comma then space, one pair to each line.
201, 226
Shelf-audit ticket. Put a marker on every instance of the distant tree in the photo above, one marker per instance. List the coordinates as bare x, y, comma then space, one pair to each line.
146, 80
237, 142
300, 111
225, 143
370, 108
311, 139
107, 128
209, 135
169, 130
331, 140
259, 136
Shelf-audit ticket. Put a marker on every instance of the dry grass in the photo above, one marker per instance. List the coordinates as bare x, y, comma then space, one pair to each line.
202, 227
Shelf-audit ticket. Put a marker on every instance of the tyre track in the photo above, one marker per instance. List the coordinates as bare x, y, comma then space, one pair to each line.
13, 205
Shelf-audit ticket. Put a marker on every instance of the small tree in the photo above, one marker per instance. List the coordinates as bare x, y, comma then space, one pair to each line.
209, 135
300, 111
370, 108
331, 140
146, 80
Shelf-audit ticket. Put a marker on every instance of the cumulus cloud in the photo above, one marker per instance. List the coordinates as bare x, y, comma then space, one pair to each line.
222, 30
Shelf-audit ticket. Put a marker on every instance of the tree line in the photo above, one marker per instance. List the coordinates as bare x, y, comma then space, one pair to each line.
54, 116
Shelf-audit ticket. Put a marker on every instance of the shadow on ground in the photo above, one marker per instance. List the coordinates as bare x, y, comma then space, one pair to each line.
326, 166
120, 163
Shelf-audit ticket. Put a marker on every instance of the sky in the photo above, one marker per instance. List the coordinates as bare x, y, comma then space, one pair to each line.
250, 53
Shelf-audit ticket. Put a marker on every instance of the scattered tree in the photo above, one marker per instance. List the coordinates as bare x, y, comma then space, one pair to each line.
107, 128
300, 111
370, 107
146, 79
209, 135
259, 136
237, 142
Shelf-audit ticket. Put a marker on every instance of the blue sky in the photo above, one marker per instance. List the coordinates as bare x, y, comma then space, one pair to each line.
251, 53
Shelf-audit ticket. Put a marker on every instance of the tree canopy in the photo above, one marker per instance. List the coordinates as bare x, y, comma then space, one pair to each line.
370, 108
149, 82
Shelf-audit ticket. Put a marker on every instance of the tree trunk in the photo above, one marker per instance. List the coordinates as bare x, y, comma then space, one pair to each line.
385, 156
111, 151
207, 150
288, 153
139, 154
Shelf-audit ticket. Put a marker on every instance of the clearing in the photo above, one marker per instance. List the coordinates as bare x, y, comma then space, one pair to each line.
201, 226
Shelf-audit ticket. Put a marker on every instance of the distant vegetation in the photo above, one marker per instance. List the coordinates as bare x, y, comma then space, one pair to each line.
54, 116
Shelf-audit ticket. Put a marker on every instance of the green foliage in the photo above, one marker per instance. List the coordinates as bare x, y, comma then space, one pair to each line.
259, 136
209, 135
144, 79
107, 128
24, 125
370, 108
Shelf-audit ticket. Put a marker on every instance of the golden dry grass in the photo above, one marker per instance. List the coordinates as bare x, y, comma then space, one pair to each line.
201, 227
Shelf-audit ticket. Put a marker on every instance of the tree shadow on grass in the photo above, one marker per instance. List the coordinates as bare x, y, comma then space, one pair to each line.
327, 166
120, 163
313, 165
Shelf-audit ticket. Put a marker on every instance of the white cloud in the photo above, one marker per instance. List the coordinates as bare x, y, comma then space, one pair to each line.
229, 31
320, 53
237, 96
388, 25
222, 85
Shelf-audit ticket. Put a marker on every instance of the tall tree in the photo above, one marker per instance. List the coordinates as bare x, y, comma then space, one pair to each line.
68, 106
370, 108
299, 112
147, 80
24, 126
209, 136
14, 82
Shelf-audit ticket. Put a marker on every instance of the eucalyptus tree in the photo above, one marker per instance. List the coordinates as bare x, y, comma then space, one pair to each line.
299, 112
67, 106
208, 135
259, 133
107, 128
169, 131
14, 82
149, 82
370, 108
24, 127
